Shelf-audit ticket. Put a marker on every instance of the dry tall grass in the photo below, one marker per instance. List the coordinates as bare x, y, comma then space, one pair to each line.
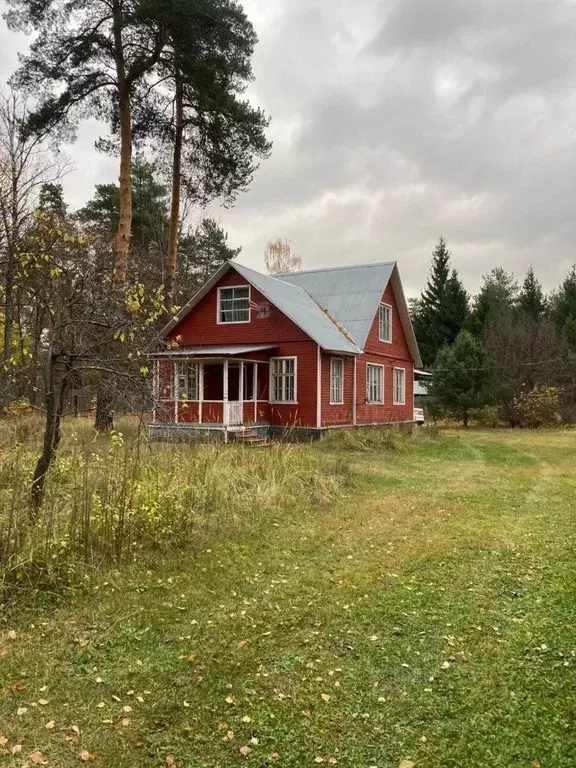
112, 499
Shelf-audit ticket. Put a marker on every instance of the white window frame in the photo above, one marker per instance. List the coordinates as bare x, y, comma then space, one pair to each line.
395, 385
179, 375
368, 400
382, 324
271, 381
339, 360
219, 320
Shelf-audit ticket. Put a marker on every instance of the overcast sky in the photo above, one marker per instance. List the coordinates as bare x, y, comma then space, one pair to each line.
395, 121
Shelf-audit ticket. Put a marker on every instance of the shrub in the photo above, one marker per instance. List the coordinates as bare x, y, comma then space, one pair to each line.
539, 408
485, 417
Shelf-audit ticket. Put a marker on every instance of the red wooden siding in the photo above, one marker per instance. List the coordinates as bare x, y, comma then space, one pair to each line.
333, 415
398, 349
200, 326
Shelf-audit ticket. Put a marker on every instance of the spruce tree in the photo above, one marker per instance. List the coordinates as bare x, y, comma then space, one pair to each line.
497, 299
564, 308
531, 301
463, 375
442, 309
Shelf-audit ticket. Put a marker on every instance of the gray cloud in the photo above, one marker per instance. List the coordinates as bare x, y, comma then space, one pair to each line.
396, 121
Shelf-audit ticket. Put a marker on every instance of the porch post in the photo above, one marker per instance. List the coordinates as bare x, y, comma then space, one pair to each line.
255, 392
176, 393
155, 389
200, 392
355, 393
226, 411
319, 389
241, 389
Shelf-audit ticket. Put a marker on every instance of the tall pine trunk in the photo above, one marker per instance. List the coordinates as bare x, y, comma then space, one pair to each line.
125, 116
170, 286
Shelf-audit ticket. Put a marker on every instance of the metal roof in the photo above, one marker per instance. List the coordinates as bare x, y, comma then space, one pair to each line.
297, 304
230, 349
334, 307
350, 294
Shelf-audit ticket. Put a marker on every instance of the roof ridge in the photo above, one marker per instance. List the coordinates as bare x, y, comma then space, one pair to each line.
334, 269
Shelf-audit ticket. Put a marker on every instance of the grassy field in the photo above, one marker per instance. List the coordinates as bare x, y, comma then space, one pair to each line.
426, 616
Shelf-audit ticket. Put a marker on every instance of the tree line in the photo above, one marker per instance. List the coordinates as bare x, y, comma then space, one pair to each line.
84, 293
507, 354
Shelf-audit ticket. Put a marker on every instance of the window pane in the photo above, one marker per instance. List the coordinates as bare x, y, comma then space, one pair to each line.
234, 305
385, 330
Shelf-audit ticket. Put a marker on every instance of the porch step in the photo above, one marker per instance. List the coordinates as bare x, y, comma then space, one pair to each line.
248, 436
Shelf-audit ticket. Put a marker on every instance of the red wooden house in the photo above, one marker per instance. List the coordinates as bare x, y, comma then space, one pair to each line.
303, 352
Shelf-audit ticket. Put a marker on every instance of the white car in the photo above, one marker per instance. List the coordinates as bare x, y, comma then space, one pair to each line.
419, 415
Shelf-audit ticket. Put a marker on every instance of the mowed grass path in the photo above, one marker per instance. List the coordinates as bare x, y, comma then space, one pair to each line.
429, 617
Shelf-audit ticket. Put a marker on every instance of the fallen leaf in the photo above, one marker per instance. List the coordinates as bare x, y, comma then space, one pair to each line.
246, 719
318, 759
21, 711
101, 704
243, 643
43, 702
535, 764
230, 735
50, 725
75, 729
446, 665
245, 751
171, 761
127, 709
254, 741
230, 700
406, 764
85, 755
332, 760
125, 721
3, 741
16, 749
12, 635
37, 758
325, 696
275, 755
306, 712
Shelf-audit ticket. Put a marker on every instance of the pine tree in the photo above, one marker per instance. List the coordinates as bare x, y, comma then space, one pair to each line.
531, 301
51, 200
202, 251
216, 136
463, 375
442, 309
90, 57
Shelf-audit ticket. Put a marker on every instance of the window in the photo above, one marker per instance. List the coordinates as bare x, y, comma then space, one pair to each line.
336, 380
188, 381
374, 383
283, 379
385, 323
234, 305
399, 386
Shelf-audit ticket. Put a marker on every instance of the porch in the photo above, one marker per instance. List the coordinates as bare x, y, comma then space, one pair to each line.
196, 392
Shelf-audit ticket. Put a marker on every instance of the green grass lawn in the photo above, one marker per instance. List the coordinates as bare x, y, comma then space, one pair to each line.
429, 617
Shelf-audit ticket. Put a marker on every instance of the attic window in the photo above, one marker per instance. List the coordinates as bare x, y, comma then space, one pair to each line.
385, 323
234, 304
